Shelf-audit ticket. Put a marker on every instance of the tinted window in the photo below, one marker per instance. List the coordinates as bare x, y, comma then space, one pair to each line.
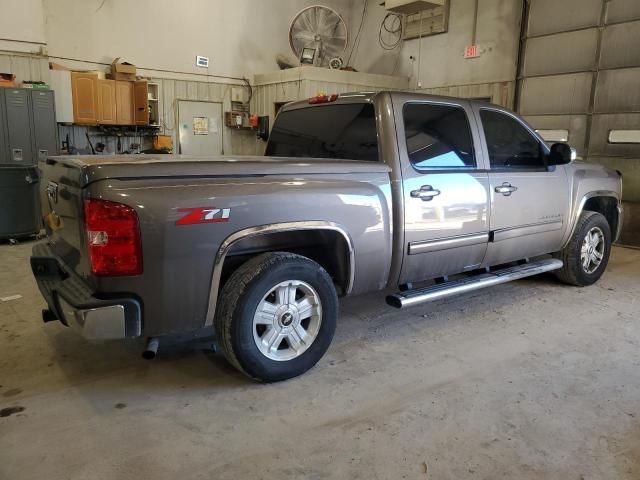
509, 143
328, 131
438, 136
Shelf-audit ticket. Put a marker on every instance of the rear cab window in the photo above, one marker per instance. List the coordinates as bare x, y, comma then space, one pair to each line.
338, 131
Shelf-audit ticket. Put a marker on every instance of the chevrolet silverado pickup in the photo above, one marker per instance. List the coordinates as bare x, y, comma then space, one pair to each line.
421, 196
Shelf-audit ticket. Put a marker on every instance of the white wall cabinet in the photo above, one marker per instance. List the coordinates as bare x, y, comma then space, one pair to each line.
60, 82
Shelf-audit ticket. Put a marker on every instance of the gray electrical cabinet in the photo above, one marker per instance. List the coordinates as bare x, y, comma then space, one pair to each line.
20, 200
19, 129
4, 146
45, 131
28, 132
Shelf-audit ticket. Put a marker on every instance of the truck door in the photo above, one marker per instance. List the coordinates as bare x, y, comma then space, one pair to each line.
446, 196
528, 200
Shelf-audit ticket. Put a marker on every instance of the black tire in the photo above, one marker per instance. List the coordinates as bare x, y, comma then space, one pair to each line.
572, 271
240, 298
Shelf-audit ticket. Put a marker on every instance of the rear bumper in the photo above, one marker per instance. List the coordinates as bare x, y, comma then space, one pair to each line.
72, 301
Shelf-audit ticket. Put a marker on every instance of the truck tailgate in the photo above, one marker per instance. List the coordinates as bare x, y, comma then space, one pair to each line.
61, 199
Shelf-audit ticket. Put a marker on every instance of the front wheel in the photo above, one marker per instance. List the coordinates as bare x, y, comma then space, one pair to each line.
277, 316
586, 255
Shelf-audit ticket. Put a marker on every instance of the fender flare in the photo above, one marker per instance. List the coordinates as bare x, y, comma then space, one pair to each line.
578, 211
228, 243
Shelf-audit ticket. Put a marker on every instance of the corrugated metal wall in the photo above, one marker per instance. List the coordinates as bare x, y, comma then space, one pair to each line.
237, 142
581, 72
500, 93
25, 66
266, 96
35, 67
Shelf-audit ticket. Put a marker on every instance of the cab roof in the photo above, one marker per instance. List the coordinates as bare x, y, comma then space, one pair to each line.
369, 97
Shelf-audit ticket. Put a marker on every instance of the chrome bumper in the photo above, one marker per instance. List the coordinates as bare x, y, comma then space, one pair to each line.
100, 323
72, 301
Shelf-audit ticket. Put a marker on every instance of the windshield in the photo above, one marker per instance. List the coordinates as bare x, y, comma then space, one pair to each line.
329, 131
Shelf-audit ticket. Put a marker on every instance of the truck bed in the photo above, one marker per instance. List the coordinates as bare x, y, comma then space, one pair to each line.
178, 257
84, 169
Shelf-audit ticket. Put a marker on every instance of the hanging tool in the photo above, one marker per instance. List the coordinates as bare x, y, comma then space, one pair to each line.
93, 150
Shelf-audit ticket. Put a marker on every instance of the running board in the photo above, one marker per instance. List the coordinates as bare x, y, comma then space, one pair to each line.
468, 284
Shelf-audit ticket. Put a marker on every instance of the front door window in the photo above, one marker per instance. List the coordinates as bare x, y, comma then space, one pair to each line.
509, 143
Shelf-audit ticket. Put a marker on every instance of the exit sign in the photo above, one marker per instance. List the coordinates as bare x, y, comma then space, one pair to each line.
471, 51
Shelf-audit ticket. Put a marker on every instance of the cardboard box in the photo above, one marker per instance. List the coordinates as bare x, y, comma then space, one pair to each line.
7, 80
163, 142
123, 67
130, 77
57, 66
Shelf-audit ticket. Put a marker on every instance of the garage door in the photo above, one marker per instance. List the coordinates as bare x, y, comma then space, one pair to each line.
579, 77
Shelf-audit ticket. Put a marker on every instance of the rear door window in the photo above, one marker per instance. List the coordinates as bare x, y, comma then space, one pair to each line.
342, 131
438, 136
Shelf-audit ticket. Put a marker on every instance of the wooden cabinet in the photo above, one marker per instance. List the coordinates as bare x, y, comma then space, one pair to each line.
107, 102
124, 103
112, 102
141, 102
84, 90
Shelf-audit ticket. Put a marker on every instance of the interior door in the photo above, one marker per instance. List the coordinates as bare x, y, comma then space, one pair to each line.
529, 201
446, 196
200, 127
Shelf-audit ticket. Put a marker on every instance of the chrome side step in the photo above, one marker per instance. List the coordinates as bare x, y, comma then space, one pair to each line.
463, 285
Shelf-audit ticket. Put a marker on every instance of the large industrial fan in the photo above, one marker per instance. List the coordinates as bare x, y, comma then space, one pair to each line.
318, 34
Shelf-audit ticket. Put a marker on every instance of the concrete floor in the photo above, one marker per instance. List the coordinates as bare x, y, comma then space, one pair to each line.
528, 380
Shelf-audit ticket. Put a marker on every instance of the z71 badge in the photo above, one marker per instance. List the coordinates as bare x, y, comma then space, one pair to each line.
203, 215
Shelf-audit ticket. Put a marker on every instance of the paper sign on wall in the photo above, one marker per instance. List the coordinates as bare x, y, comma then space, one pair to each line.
200, 125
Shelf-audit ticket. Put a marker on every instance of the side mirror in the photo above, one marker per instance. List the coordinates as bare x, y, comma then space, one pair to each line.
561, 154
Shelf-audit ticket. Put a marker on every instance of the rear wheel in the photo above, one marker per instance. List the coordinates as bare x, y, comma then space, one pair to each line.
277, 316
586, 255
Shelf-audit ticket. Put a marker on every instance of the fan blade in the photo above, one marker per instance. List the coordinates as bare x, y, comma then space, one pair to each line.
321, 20
328, 24
306, 20
306, 36
316, 18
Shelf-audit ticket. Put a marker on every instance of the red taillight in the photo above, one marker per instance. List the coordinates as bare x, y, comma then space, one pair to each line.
113, 238
323, 98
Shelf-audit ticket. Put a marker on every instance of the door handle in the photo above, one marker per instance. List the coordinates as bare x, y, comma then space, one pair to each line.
426, 193
506, 189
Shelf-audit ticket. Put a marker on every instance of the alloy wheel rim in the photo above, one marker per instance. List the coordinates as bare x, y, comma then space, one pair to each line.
592, 250
287, 320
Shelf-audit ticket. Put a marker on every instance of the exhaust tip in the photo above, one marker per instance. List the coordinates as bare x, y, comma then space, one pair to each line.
151, 350
149, 354
394, 301
48, 316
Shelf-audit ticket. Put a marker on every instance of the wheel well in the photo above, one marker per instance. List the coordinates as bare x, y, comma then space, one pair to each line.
329, 248
607, 206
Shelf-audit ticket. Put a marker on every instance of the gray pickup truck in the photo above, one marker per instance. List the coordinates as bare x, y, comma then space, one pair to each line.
422, 196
